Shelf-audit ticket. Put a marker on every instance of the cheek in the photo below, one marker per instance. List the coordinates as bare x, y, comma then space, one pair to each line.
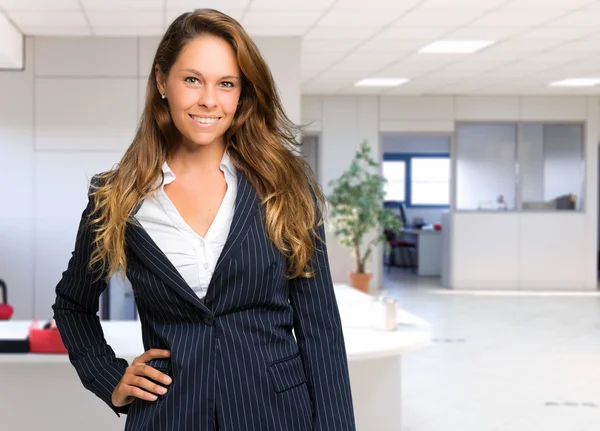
229, 103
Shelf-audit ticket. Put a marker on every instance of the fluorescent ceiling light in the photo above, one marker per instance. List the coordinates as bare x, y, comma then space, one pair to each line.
381, 82
456, 46
576, 82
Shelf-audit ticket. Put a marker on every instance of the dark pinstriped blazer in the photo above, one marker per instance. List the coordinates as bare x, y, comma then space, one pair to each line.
234, 358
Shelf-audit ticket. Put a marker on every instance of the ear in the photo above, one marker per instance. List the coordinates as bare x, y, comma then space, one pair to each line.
160, 79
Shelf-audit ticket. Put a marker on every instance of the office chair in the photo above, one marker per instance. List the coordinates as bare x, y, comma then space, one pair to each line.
407, 252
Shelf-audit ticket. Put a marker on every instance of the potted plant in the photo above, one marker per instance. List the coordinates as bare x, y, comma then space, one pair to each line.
356, 209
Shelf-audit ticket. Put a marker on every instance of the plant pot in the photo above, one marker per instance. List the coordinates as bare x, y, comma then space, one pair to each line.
361, 281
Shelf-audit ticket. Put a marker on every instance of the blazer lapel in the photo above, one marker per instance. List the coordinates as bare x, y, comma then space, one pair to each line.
154, 258
246, 206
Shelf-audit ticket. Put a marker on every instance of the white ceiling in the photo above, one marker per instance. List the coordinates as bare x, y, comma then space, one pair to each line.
343, 41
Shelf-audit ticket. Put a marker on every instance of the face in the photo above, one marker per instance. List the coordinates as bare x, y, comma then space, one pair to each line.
203, 89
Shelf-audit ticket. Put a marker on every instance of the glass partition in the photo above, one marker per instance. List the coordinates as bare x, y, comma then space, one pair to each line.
551, 165
485, 166
519, 166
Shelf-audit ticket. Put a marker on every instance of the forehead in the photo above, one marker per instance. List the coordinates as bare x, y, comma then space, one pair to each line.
208, 54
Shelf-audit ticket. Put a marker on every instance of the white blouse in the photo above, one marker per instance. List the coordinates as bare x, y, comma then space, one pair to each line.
193, 256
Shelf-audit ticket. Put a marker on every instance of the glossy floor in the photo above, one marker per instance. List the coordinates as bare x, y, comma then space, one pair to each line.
500, 362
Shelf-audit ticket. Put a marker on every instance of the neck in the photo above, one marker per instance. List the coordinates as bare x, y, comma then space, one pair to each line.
196, 159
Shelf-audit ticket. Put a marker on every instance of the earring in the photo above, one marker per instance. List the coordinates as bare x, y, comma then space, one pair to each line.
163, 96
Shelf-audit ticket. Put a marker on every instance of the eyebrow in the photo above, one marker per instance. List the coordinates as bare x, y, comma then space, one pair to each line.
197, 72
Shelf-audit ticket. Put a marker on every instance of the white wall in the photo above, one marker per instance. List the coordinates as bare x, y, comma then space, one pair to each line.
70, 114
508, 250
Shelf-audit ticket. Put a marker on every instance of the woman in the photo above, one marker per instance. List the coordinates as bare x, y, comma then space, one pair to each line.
216, 223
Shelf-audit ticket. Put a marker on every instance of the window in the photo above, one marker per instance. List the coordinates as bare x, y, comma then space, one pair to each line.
395, 174
418, 180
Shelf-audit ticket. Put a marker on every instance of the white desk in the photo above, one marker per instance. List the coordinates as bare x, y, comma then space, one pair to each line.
429, 249
49, 386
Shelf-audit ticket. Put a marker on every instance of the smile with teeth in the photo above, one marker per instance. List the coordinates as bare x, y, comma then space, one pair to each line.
205, 120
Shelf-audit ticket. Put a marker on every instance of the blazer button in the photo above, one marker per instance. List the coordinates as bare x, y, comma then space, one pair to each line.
209, 320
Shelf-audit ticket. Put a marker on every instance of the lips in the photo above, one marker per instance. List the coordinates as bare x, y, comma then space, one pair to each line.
205, 119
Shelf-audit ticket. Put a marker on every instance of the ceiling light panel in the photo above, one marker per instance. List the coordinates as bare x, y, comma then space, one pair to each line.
456, 46
381, 82
576, 82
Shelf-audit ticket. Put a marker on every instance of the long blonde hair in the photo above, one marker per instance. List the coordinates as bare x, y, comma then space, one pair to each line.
260, 142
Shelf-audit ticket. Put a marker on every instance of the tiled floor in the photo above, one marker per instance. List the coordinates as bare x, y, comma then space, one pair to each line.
518, 362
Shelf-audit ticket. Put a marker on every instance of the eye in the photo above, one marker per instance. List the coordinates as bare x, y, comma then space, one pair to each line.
227, 84
191, 80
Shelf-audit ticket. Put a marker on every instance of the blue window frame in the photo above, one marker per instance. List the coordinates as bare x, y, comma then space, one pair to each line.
410, 200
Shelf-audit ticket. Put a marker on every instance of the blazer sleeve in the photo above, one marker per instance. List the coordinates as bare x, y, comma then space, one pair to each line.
318, 330
75, 311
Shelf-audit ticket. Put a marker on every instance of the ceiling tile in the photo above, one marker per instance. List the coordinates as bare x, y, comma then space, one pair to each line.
280, 17
439, 17
557, 33
483, 33
132, 18
39, 5
290, 4
323, 32
376, 4
360, 17
421, 33
48, 19
123, 4
548, 4
392, 46
462, 4
64, 30
521, 17
210, 4
129, 30
258, 31
172, 13
329, 45
587, 18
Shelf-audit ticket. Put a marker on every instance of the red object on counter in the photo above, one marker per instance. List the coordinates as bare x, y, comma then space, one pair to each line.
45, 340
437, 226
6, 311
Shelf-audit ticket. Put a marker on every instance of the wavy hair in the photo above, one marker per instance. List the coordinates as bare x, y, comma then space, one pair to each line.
261, 142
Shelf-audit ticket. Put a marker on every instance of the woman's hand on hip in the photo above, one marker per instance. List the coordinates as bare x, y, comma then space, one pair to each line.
136, 382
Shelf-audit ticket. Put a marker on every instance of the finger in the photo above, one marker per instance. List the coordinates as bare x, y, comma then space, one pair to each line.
154, 374
148, 385
151, 354
136, 392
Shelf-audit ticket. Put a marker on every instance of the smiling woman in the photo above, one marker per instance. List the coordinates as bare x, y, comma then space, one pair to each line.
217, 223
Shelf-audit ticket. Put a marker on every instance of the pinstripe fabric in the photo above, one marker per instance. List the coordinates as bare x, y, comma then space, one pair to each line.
234, 358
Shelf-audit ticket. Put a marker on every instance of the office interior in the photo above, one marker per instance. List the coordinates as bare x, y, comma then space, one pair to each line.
512, 214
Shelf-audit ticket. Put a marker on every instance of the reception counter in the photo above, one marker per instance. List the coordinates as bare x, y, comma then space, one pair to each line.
43, 391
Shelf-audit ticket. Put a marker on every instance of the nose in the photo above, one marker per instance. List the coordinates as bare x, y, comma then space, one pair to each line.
208, 97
